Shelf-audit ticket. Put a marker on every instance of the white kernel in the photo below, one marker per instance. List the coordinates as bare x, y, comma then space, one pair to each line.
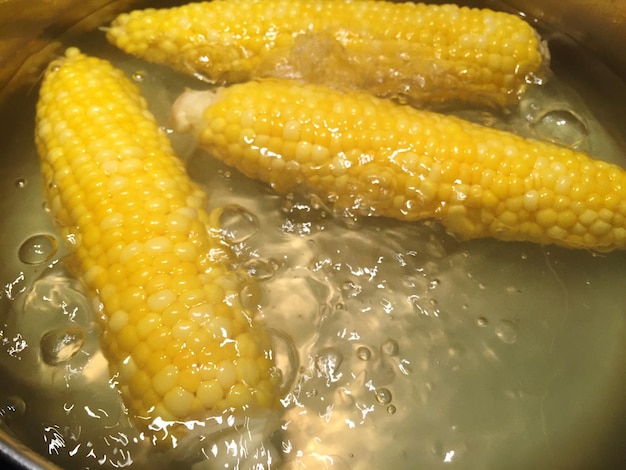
159, 301
92, 273
182, 329
186, 251
118, 320
192, 297
220, 327
188, 212
117, 183
291, 130
111, 221
319, 154
130, 251
277, 164
588, 217
201, 313
194, 201
210, 392
557, 233
226, 374
158, 245
135, 153
110, 167
177, 222
531, 200
179, 402
248, 118
605, 214
157, 204
165, 184
127, 369
303, 152
563, 184
238, 396
600, 228
130, 166
148, 324
165, 379
558, 167
247, 136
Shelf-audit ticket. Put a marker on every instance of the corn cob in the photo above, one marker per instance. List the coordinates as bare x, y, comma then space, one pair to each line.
393, 160
174, 331
423, 53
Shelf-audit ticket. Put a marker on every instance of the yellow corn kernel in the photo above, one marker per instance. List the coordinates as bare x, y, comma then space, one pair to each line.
157, 310
420, 168
424, 53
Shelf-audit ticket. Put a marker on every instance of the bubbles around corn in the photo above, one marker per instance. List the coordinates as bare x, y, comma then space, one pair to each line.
304, 275
38, 249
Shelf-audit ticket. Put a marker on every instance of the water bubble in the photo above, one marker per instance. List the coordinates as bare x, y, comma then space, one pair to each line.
139, 76
286, 360
433, 284
364, 353
38, 249
328, 361
332, 197
238, 223
560, 126
260, 268
387, 306
391, 409
251, 296
383, 396
390, 347
351, 289
62, 344
349, 219
11, 407
21, 183
506, 332
482, 321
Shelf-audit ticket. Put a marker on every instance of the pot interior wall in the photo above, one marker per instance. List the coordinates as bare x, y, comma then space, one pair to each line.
31, 35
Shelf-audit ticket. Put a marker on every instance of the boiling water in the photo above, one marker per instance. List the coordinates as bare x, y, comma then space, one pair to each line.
401, 345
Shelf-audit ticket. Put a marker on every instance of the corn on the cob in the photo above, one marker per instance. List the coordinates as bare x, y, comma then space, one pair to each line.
424, 53
174, 331
396, 161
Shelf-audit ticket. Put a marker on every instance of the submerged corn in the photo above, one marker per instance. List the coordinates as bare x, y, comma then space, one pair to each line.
424, 53
174, 332
386, 159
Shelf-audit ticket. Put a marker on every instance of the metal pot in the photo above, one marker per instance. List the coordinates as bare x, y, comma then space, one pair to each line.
31, 33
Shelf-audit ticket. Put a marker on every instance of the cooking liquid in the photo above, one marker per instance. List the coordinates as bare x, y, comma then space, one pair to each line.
399, 345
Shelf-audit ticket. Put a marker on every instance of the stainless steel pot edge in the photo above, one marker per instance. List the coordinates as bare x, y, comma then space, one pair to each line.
14, 454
